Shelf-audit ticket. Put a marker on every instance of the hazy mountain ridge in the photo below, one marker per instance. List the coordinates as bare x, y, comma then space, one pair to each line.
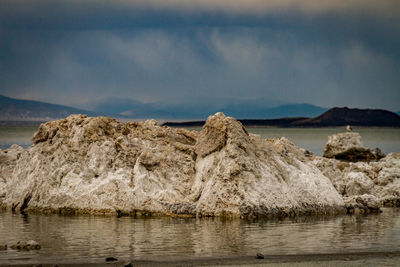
29, 111
201, 109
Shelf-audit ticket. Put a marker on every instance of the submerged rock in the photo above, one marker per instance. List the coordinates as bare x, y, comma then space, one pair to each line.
259, 256
348, 146
109, 259
101, 166
362, 204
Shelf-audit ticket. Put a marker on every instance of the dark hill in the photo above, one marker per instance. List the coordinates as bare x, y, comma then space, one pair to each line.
332, 117
352, 116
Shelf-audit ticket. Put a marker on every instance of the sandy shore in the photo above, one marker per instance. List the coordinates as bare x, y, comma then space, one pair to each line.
342, 259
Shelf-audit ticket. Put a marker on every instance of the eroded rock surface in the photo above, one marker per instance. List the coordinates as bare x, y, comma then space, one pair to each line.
348, 146
380, 179
99, 165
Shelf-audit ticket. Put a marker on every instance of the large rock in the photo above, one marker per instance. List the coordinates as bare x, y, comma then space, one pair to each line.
348, 146
101, 166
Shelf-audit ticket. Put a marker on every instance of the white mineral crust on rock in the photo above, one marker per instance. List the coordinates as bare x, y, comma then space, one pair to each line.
380, 179
348, 146
338, 143
99, 165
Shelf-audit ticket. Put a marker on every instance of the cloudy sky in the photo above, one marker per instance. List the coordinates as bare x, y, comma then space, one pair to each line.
327, 53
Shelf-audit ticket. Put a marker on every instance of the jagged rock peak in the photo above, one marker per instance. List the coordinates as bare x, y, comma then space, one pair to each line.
216, 132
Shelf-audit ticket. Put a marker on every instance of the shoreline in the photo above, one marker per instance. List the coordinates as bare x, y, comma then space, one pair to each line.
341, 259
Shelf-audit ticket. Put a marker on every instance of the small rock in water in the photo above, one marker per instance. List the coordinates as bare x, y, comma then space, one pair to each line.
26, 245
108, 259
3, 247
259, 256
32, 244
128, 265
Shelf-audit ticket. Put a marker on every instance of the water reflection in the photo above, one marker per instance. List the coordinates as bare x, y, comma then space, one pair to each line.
90, 239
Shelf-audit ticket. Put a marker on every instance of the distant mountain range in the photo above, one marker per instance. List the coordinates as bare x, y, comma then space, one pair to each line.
12, 109
27, 112
202, 108
333, 117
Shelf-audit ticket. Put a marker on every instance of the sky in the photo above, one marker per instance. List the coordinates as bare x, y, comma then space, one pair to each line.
79, 53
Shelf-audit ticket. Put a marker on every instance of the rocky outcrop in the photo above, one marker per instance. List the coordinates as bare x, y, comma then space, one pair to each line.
379, 179
101, 166
365, 177
348, 146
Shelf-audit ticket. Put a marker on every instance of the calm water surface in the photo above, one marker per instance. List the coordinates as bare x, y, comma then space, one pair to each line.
20, 135
312, 139
82, 239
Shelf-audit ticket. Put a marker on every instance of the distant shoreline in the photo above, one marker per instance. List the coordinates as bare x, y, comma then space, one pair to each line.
199, 124
273, 123
335, 117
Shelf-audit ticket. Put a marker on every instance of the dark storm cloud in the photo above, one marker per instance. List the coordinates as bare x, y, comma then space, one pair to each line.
326, 54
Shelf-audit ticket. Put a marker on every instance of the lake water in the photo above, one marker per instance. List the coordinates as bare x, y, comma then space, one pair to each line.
90, 239
10, 135
312, 139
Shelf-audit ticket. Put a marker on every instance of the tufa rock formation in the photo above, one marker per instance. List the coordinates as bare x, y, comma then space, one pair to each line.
374, 182
348, 146
365, 186
101, 166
